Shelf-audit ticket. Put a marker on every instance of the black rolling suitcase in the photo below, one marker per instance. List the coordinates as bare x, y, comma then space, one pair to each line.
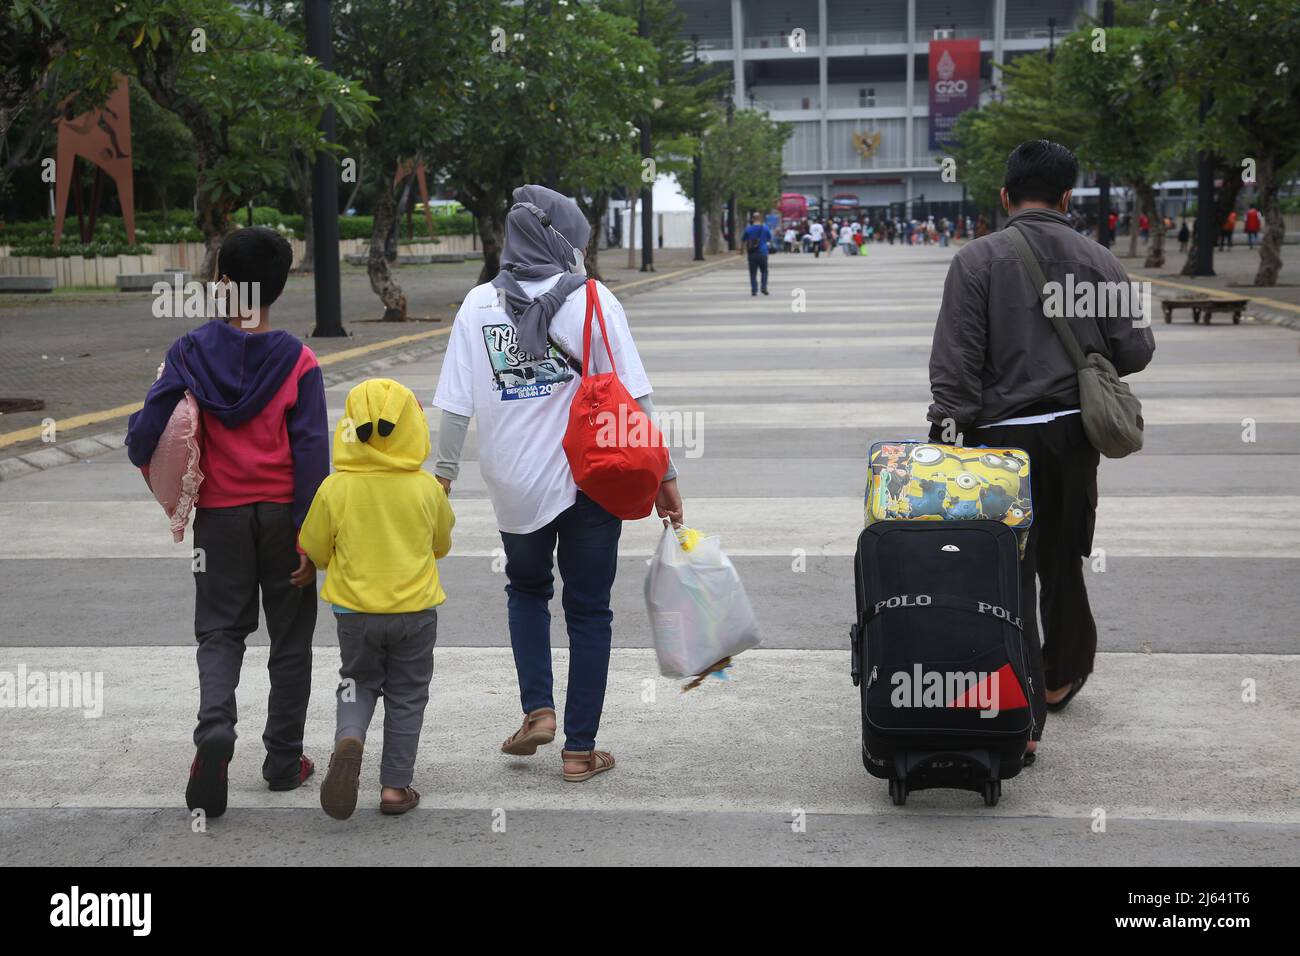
940, 656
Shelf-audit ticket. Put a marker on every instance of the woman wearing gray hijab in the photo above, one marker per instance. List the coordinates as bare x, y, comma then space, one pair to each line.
512, 361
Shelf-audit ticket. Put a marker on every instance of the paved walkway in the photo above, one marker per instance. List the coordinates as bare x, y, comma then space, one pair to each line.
1201, 534
90, 356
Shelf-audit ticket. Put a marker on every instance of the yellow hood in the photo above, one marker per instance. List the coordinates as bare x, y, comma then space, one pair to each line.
383, 429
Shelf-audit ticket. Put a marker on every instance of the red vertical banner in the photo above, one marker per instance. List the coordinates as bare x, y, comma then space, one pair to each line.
954, 85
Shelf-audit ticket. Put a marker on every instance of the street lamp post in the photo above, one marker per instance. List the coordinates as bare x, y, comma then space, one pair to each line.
731, 202
1207, 225
697, 219
325, 189
1103, 181
647, 192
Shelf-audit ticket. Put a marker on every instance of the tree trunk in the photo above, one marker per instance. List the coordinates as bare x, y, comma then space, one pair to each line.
631, 229
382, 280
714, 228
214, 223
492, 233
1146, 196
308, 263
595, 212
1270, 205
392, 246
1224, 200
301, 175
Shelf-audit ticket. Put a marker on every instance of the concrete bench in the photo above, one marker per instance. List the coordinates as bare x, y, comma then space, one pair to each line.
1205, 307
26, 283
144, 281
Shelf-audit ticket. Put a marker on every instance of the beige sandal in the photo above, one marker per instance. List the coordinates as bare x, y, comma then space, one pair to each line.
528, 738
597, 761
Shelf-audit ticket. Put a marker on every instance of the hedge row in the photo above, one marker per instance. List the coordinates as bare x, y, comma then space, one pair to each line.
178, 226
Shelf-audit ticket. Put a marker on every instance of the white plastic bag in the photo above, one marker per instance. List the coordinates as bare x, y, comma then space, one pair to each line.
699, 612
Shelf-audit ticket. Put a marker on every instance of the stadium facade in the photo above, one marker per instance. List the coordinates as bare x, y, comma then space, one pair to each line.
871, 88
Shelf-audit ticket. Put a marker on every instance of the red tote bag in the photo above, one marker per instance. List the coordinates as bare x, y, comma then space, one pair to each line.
617, 455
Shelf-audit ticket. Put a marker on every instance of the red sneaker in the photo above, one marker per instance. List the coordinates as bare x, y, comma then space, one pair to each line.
305, 769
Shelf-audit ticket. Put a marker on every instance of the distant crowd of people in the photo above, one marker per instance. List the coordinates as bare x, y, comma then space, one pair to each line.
849, 233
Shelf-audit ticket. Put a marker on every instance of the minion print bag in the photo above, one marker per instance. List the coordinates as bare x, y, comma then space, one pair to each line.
924, 481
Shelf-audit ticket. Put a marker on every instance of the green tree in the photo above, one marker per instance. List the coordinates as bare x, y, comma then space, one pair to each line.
1245, 55
1146, 128
1035, 104
162, 149
551, 92
31, 40
743, 156
683, 92
238, 81
408, 54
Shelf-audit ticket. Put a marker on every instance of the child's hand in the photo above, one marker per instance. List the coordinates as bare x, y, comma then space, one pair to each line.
306, 573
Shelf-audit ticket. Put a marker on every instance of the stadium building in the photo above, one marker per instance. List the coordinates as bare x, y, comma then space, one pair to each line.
871, 88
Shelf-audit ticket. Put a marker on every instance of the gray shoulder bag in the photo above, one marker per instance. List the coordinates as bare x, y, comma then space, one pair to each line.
1111, 413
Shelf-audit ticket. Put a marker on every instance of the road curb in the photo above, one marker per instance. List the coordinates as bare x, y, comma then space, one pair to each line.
59, 454
637, 286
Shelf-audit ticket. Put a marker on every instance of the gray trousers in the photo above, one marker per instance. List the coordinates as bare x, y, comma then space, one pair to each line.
246, 550
389, 655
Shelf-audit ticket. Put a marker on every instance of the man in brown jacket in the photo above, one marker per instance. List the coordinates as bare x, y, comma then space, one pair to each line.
999, 376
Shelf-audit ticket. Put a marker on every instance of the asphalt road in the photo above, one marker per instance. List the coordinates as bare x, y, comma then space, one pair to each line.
1195, 595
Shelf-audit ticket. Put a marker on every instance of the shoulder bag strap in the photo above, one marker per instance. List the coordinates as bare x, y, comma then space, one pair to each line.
1063, 330
593, 304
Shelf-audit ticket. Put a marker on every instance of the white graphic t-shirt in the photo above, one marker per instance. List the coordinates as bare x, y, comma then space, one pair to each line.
521, 404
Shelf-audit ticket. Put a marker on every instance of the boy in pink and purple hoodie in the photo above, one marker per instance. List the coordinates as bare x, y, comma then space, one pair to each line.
265, 450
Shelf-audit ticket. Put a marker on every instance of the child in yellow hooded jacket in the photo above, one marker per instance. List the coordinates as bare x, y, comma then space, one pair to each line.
377, 526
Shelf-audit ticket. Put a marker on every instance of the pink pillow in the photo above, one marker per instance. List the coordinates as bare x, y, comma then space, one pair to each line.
173, 474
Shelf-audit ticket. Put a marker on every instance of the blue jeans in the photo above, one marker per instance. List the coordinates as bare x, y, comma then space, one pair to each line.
757, 263
587, 536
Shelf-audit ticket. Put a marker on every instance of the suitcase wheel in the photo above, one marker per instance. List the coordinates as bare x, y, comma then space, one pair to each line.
897, 791
992, 791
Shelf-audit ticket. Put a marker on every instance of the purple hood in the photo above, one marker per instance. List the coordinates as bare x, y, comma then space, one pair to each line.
232, 374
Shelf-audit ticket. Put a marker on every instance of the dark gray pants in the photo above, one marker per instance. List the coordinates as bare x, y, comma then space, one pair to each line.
247, 549
389, 655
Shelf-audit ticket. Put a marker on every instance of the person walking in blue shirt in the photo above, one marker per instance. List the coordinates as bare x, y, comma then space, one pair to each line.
757, 237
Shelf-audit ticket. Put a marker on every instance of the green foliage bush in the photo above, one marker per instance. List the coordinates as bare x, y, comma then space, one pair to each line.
91, 250
178, 226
